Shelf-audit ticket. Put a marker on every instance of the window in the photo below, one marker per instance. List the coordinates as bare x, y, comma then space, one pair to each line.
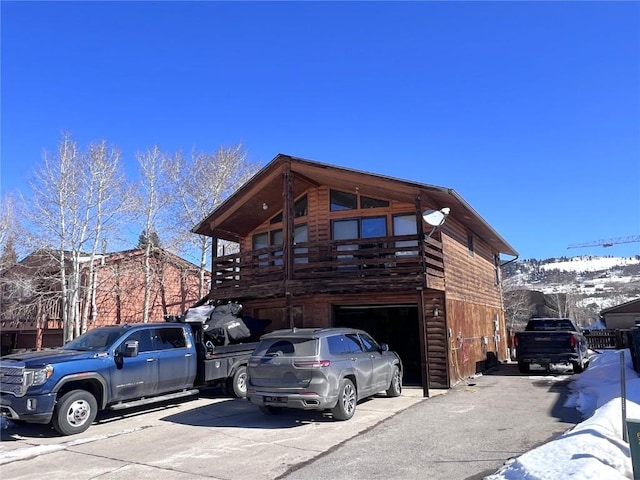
470, 244
299, 210
143, 337
283, 347
370, 345
349, 201
169, 338
356, 228
300, 207
345, 230
368, 202
405, 225
371, 227
343, 201
300, 235
261, 240
276, 240
341, 344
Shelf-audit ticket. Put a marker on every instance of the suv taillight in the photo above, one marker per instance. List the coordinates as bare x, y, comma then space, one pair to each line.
312, 363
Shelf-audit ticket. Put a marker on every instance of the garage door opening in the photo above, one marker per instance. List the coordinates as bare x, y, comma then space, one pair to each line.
396, 325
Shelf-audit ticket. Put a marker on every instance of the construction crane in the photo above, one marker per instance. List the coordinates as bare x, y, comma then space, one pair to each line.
607, 243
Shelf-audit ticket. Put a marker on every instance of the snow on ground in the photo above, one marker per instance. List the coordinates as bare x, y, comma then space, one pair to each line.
593, 449
590, 263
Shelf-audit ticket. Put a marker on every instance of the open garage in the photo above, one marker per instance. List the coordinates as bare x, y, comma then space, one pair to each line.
396, 325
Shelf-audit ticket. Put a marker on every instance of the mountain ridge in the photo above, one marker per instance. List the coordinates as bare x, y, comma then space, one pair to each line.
579, 287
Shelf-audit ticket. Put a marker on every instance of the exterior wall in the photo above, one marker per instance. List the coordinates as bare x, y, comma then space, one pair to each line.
473, 304
119, 298
457, 313
621, 320
319, 217
120, 291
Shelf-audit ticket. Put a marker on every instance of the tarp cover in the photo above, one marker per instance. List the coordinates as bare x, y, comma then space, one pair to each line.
225, 324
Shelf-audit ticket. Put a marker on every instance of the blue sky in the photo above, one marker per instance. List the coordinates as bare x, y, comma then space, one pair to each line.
529, 110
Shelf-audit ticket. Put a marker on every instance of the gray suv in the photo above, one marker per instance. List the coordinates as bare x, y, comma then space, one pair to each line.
320, 369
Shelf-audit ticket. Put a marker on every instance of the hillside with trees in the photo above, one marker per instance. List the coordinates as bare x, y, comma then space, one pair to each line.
576, 287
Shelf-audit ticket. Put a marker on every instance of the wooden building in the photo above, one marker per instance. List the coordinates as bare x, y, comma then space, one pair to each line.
626, 315
321, 246
30, 305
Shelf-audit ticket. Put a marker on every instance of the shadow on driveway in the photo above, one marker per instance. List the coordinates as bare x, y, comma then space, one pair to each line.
555, 382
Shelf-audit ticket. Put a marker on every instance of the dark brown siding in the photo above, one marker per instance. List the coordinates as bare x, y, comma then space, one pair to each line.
473, 302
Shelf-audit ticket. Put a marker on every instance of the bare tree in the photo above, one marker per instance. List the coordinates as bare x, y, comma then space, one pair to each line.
153, 201
202, 182
77, 198
518, 308
9, 233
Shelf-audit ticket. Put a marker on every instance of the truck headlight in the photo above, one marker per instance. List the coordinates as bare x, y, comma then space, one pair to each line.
38, 376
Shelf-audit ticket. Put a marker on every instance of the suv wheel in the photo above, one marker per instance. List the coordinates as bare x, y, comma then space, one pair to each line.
346, 406
395, 388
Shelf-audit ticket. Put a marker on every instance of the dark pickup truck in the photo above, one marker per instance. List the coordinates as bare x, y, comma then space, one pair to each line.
551, 341
117, 367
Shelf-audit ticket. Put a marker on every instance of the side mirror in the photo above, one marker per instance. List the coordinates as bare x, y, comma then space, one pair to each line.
384, 347
130, 349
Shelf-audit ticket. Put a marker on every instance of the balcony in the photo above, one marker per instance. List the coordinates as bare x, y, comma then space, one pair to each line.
337, 266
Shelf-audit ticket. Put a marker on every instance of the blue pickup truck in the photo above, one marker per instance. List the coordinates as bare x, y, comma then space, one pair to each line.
116, 367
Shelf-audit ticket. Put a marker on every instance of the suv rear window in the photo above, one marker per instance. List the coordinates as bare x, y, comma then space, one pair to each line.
301, 347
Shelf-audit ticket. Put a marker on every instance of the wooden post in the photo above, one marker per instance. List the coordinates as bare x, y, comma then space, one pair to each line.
424, 343
424, 349
287, 238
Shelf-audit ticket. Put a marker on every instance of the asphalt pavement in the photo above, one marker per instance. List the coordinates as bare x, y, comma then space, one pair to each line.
465, 433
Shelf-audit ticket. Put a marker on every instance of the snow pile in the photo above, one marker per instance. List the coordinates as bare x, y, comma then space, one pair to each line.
593, 449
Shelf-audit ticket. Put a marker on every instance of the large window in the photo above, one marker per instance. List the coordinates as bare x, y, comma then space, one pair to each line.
275, 238
405, 225
299, 210
261, 240
350, 201
300, 235
356, 228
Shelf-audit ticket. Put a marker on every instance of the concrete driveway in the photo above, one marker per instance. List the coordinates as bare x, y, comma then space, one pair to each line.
208, 437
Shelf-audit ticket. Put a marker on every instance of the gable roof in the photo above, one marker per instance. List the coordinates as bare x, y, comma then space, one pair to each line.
632, 306
242, 212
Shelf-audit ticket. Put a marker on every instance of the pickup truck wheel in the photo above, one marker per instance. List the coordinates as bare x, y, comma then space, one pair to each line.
347, 399
578, 367
238, 383
395, 388
523, 367
75, 412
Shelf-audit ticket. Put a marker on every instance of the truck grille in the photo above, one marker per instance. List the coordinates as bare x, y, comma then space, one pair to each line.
11, 380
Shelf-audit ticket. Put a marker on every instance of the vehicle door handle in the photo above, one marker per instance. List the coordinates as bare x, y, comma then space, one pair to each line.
151, 359
353, 359
187, 354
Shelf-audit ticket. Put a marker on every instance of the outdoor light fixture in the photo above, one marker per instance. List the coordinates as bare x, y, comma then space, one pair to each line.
436, 312
265, 206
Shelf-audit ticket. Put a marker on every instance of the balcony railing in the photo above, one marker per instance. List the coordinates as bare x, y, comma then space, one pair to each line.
334, 266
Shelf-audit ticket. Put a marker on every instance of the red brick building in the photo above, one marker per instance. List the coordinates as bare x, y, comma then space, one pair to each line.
30, 306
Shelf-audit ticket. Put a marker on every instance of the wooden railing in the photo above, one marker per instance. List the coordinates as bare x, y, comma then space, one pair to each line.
615, 339
27, 313
372, 263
